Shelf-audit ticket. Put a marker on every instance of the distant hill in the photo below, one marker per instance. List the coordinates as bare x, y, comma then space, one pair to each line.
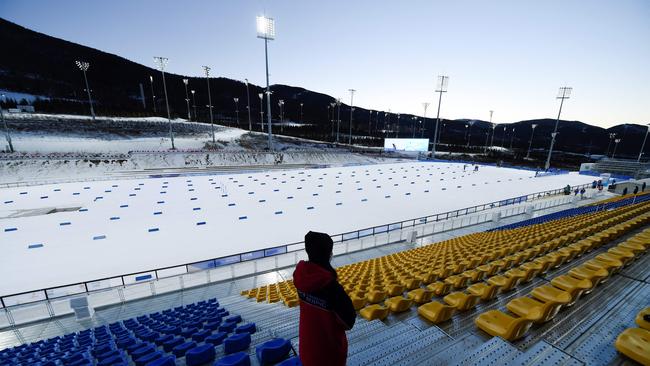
39, 64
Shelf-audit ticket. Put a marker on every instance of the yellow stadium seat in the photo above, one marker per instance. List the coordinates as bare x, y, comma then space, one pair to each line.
642, 322
635, 344
457, 281
539, 312
394, 289
498, 324
595, 276
436, 312
358, 301
504, 283
461, 301
398, 304
420, 295
635, 248
372, 312
485, 291
376, 296
573, 286
439, 288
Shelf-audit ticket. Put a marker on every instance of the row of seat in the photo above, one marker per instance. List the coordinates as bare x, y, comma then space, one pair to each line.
564, 290
635, 342
192, 332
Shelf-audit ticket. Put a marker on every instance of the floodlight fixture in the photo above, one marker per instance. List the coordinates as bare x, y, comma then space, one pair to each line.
187, 100
207, 69
83, 66
265, 27
441, 87
530, 143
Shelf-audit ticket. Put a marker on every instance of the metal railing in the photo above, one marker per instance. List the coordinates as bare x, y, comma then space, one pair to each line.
188, 268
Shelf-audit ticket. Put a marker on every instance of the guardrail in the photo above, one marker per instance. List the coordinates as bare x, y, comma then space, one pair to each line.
164, 272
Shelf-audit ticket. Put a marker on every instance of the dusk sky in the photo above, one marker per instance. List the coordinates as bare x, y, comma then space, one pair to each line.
508, 56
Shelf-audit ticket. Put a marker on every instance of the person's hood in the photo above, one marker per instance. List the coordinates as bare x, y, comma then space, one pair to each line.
310, 277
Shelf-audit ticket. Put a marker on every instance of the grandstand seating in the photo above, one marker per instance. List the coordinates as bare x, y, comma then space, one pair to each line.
197, 333
635, 342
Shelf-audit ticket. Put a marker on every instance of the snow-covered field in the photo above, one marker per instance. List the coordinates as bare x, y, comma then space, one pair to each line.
128, 226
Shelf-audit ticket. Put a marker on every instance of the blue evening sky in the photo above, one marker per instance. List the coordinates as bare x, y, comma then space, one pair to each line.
509, 56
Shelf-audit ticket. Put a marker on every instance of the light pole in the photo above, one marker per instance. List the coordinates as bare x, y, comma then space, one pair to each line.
370, 123
387, 121
207, 79
194, 104
487, 138
83, 66
4, 122
153, 96
564, 93
331, 107
424, 117
503, 138
261, 95
396, 126
338, 118
351, 113
512, 137
162, 62
643, 144
494, 126
415, 120
441, 87
248, 107
612, 135
187, 100
469, 130
466, 130
281, 105
530, 143
301, 112
266, 31
236, 100
615, 146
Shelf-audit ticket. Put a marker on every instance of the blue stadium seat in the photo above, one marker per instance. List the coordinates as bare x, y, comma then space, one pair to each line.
227, 327
114, 360
216, 338
236, 343
236, 359
200, 355
150, 357
144, 350
179, 351
164, 361
201, 335
293, 361
162, 339
273, 351
246, 328
169, 345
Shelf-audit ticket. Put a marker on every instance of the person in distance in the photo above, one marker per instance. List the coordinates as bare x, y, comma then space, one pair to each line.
326, 311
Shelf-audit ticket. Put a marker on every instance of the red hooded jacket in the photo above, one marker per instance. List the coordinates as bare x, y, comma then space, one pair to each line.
326, 312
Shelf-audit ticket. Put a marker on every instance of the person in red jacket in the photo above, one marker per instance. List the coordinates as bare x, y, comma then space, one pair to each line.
326, 311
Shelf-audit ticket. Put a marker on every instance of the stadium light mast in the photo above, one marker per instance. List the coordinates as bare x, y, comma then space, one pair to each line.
338, 118
494, 126
397, 126
187, 100
194, 103
469, 131
4, 122
370, 123
207, 80
564, 93
512, 137
301, 104
530, 143
441, 87
261, 95
424, 116
162, 62
236, 100
281, 105
351, 113
83, 66
153, 96
642, 145
415, 121
615, 146
266, 31
248, 107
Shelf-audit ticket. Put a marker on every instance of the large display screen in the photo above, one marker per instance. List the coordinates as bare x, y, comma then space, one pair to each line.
406, 145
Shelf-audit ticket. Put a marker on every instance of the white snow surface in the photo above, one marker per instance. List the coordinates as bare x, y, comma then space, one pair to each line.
242, 213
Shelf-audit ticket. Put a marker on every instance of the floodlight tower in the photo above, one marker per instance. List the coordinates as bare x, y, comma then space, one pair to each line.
248, 107
612, 135
83, 66
162, 62
236, 100
331, 108
397, 126
187, 99
281, 105
261, 95
370, 123
4, 122
564, 93
153, 96
424, 116
469, 131
615, 146
494, 126
301, 112
207, 79
643, 144
530, 143
266, 31
512, 137
351, 113
441, 87
194, 103
415, 121
338, 118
